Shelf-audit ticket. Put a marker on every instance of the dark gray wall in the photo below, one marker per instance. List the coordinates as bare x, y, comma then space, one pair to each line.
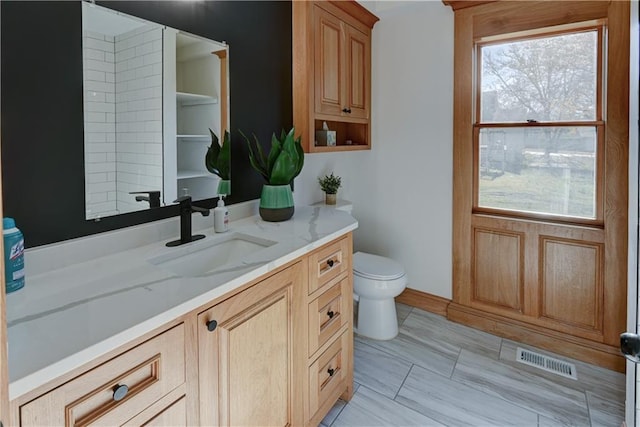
41, 102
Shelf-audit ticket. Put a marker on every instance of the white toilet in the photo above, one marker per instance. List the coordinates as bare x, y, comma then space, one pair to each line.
376, 282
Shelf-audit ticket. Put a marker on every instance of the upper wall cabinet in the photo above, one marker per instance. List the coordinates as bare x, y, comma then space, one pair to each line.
332, 74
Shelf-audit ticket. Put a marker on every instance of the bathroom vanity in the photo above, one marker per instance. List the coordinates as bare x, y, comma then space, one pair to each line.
150, 335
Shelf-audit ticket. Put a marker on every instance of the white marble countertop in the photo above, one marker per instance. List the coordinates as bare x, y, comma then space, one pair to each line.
66, 317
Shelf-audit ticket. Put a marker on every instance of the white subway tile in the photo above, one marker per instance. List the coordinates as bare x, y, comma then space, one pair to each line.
153, 58
99, 127
124, 54
144, 71
97, 147
153, 126
152, 81
92, 43
93, 34
100, 187
94, 117
95, 157
94, 178
90, 168
144, 48
93, 198
92, 75
94, 137
121, 127
99, 106
91, 64
93, 96
135, 85
97, 55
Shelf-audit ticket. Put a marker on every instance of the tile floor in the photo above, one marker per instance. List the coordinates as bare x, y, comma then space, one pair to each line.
439, 373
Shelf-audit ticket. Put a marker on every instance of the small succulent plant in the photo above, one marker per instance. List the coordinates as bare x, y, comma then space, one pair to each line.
218, 158
330, 183
284, 161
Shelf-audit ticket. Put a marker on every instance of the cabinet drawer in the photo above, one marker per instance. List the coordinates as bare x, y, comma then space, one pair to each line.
115, 391
327, 375
328, 262
328, 313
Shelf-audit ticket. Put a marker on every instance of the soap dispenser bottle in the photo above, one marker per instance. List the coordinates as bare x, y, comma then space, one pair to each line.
221, 217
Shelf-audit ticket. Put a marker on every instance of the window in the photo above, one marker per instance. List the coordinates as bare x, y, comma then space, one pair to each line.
539, 129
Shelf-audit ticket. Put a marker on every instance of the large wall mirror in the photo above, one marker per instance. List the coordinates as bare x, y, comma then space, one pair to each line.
42, 102
155, 100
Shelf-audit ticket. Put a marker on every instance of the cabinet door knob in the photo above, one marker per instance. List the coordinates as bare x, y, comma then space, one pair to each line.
119, 392
331, 371
330, 263
346, 110
212, 325
330, 313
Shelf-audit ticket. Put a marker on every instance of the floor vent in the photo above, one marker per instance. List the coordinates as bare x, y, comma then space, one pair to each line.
547, 363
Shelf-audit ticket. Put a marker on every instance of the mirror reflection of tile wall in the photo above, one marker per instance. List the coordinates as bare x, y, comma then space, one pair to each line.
123, 117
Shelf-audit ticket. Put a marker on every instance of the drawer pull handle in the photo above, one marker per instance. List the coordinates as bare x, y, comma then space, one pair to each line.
330, 313
331, 371
119, 392
212, 325
330, 263
346, 110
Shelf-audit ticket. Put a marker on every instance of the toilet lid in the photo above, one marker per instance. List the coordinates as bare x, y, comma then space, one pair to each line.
376, 267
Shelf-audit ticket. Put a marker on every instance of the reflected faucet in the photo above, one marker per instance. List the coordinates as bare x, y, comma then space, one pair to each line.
186, 209
153, 197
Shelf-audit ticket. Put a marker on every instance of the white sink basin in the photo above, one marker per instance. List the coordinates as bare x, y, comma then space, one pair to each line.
208, 255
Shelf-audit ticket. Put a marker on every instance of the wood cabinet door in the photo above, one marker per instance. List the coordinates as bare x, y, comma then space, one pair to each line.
358, 72
329, 63
174, 415
246, 355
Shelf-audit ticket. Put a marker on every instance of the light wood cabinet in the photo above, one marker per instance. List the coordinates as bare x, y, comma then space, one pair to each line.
117, 390
246, 355
277, 351
332, 73
330, 328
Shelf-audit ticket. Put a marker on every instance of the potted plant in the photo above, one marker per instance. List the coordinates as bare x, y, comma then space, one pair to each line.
330, 184
218, 161
283, 163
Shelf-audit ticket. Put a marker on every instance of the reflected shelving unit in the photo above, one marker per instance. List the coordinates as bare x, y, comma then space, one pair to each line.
193, 85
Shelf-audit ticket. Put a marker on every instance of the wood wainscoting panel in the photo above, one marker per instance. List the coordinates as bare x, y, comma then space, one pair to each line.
571, 282
498, 280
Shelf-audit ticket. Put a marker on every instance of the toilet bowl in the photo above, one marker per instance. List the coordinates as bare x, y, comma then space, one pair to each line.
376, 282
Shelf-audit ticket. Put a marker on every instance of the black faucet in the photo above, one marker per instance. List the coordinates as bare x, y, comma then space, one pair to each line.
186, 209
153, 198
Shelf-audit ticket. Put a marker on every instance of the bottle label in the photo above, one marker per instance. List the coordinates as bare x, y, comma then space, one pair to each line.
14, 262
16, 250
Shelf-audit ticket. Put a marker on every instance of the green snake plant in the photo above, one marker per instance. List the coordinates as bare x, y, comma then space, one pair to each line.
284, 161
218, 158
